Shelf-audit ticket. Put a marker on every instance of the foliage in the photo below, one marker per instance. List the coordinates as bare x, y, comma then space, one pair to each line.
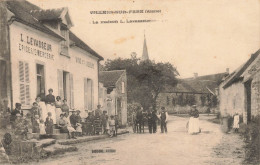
145, 79
252, 138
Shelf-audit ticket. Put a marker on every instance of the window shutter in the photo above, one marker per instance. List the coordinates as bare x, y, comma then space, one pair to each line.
85, 93
24, 83
60, 83
71, 91
21, 71
22, 93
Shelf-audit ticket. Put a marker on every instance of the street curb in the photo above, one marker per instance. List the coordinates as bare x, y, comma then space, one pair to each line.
87, 139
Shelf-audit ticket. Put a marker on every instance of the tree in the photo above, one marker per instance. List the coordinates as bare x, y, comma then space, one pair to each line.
145, 79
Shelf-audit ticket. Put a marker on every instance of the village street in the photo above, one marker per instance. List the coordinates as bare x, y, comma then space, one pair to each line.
176, 147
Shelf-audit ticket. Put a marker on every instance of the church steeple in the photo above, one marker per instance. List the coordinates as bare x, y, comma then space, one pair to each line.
145, 51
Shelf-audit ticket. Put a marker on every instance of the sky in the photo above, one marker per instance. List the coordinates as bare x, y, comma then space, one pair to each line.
196, 36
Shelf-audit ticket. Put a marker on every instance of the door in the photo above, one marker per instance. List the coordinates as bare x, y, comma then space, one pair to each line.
119, 111
248, 99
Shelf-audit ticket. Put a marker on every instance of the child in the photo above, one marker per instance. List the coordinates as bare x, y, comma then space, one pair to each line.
49, 124
236, 122
36, 124
112, 126
42, 127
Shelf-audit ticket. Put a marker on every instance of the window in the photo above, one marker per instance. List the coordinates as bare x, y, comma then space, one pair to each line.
123, 87
65, 44
24, 83
40, 79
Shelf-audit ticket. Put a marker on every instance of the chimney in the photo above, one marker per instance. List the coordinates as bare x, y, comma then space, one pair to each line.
227, 70
195, 75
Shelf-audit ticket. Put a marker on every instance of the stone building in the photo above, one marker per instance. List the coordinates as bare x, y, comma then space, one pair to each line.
115, 100
240, 91
199, 90
39, 51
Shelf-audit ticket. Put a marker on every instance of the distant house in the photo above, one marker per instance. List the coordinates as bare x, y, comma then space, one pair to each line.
199, 90
240, 91
115, 100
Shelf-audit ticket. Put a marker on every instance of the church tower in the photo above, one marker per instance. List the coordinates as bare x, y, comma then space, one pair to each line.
145, 51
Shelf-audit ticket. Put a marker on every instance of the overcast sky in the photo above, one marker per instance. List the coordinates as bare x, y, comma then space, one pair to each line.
203, 36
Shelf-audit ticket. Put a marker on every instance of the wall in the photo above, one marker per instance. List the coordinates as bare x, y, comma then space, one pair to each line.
5, 69
232, 100
122, 96
80, 64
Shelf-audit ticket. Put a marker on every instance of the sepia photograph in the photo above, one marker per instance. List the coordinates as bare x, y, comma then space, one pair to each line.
130, 82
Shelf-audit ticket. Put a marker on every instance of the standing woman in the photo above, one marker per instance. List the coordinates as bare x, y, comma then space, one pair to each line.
42, 108
50, 104
58, 105
194, 127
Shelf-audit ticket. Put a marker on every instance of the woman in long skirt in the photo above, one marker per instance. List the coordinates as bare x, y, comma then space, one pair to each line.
50, 104
58, 105
193, 126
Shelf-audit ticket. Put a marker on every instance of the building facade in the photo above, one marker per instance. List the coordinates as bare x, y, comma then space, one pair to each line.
43, 53
115, 101
240, 91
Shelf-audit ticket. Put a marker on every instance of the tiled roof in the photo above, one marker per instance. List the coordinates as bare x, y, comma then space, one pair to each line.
237, 74
201, 84
21, 11
109, 78
30, 14
49, 14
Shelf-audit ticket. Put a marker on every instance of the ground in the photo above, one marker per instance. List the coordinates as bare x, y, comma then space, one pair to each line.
211, 146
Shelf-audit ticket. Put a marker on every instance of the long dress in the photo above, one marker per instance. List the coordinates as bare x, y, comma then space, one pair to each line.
194, 123
58, 105
236, 122
43, 110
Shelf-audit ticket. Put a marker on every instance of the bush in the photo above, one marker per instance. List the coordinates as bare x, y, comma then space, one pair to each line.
252, 139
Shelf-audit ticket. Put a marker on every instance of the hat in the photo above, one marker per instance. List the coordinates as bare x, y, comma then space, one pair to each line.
50, 90
194, 106
77, 110
72, 110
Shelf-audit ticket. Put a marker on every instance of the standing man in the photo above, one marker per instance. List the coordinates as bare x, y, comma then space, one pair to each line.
164, 118
154, 121
98, 111
104, 122
139, 119
150, 121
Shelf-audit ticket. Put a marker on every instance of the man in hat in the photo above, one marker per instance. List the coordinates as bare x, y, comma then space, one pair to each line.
164, 119
17, 110
98, 111
104, 122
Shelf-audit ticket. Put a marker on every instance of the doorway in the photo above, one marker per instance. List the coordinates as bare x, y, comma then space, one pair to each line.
248, 99
40, 79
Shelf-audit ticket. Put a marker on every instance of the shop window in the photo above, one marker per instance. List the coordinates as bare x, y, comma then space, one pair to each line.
65, 44
40, 80
88, 94
123, 87
24, 83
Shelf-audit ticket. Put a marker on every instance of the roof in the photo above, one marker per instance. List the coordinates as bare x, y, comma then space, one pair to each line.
49, 14
79, 43
21, 11
109, 78
236, 75
32, 15
202, 84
